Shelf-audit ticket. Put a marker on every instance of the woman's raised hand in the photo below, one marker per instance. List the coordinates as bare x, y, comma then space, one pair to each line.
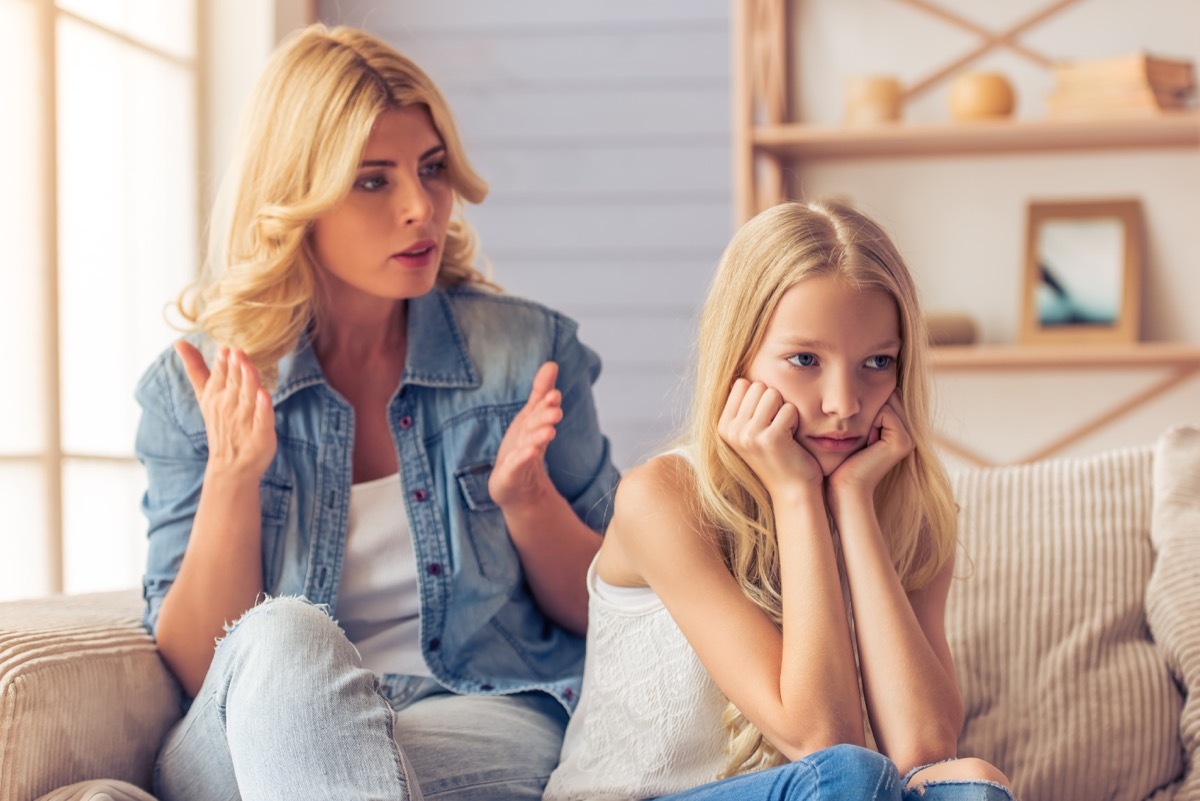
761, 428
519, 474
239, 420
888, 442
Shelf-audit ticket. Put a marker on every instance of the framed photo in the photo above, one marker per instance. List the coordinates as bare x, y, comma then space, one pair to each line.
1083, 271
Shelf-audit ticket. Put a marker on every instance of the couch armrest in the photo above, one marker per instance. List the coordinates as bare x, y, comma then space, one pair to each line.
83, 693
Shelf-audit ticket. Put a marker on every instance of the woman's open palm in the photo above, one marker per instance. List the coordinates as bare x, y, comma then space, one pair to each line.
519, 474
239, 420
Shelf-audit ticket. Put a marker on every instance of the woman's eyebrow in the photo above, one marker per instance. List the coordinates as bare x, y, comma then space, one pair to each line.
389, 163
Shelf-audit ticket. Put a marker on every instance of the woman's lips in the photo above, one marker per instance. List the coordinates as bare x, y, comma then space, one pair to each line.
419, 255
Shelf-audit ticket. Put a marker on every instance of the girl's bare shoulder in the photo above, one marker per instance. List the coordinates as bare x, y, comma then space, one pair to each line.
656, 515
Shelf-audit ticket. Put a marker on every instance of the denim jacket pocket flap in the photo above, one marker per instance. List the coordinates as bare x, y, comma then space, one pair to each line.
276, 495
473, 483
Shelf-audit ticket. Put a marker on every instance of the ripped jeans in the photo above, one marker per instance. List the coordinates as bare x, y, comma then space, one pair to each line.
287, 712
840, 773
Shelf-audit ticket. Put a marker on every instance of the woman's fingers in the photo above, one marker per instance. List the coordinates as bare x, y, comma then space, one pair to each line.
220, 372
239, 417
194, 365
543, 381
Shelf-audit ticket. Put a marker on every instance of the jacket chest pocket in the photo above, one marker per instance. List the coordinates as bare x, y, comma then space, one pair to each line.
276, 500
487, 534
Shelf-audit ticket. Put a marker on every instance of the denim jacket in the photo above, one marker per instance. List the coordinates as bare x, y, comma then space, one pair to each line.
471, 359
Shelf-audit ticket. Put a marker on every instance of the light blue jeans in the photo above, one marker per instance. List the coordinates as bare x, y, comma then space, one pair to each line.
287, 712
840, 773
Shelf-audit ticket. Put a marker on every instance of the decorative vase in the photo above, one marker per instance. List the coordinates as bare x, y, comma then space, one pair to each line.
872, 99
981, 95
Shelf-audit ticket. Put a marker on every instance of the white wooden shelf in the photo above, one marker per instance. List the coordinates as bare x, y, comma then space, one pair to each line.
960, 358
1178, 364
796, 140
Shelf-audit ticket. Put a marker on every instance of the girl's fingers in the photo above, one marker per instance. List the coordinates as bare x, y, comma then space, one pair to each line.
877, 426
750, 401
769, 404
787, 419
734, 402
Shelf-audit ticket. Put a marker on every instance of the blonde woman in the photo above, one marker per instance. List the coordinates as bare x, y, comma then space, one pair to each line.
768, 601
364, 485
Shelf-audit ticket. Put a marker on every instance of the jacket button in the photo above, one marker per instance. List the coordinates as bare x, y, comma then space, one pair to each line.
569, 694
435, 644
406, 422
434, 569
420, 495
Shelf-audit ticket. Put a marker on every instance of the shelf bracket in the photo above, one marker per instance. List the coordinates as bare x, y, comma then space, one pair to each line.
1006, 38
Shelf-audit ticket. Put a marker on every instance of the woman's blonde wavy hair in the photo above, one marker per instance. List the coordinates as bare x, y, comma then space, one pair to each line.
299, 150
770, 254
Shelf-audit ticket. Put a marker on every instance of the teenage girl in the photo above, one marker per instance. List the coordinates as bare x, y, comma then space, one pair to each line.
767, 607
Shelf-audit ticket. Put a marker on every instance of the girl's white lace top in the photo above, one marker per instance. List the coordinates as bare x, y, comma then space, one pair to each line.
649, 716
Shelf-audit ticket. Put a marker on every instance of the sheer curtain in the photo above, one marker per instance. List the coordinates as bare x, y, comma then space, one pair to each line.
99, 218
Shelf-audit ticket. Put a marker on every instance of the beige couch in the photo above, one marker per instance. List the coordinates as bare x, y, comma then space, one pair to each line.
1075, 626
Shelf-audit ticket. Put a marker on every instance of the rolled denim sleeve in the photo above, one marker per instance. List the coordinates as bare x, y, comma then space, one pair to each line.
171, 444
579, 458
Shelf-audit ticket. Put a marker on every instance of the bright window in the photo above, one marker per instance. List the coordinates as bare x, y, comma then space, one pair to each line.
99, 216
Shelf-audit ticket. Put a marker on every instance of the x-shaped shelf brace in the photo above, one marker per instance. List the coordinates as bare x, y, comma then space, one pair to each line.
1116, 411
1006, 38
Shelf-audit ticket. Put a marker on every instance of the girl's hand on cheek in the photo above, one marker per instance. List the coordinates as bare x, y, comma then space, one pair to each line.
761, 427
888, 442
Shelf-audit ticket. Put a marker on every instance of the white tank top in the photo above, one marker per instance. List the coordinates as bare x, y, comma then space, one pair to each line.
649, 716
378, 601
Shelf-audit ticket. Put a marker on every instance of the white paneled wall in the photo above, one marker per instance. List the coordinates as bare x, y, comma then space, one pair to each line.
603, 128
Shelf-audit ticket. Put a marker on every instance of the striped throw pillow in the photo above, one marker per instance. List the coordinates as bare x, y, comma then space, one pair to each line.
1063, 688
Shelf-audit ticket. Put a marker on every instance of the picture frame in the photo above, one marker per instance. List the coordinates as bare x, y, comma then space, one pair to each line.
1083, 272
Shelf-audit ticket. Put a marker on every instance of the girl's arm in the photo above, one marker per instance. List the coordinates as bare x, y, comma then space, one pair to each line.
220, 575
908, 677
798, 685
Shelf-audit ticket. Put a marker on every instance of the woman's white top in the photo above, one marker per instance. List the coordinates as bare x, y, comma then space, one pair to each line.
649, 716
378, 601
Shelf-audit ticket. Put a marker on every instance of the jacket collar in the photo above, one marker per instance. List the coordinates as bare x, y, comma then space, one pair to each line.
437, 352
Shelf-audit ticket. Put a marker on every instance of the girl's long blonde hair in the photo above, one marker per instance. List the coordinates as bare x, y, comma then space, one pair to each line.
771, 253
299, 150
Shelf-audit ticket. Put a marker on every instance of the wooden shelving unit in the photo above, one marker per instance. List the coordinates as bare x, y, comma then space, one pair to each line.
770, 146
809, 142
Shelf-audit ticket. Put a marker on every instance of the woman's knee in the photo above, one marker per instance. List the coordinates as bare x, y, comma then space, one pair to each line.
285, 631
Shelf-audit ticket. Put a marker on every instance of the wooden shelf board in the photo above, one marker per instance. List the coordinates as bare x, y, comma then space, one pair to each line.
1035, 357
1170, 129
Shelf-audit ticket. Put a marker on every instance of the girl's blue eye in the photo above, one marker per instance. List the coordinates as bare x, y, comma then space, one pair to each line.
880, 362
803, 359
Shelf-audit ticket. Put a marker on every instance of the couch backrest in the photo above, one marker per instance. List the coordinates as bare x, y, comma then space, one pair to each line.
1063, 685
